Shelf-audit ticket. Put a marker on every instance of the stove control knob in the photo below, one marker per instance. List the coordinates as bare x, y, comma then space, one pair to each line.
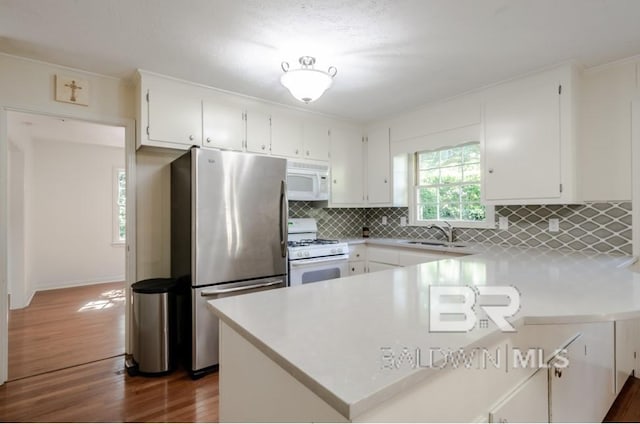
306, 254
333, 251
339, 249
299, 254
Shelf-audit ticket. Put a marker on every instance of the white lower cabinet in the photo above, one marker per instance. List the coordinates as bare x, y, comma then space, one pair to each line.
527, 403
357, 259
381, 258
357, 267
378, 266
584, 390
627, 347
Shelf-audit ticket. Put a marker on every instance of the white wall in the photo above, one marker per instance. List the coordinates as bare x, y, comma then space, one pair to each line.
29, 85
153, 222
71, 241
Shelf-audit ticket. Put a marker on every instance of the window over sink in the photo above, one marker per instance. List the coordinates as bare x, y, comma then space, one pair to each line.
447, 187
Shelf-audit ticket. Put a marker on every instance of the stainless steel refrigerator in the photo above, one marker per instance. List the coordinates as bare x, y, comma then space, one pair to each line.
228, 234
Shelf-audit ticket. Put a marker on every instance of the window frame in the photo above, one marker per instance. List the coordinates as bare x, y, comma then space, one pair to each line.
488, 222
115, 216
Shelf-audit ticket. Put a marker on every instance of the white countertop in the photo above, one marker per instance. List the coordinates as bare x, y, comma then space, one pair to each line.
329, 335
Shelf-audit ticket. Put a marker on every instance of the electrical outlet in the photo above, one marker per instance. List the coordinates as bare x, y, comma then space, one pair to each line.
384, 220
503, 223
554, 225
403, 221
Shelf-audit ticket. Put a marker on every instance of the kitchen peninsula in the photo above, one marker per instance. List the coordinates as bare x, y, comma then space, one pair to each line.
357, 348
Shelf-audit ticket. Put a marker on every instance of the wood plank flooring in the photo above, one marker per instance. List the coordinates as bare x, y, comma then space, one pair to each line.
626, 408
66, 327
103, 392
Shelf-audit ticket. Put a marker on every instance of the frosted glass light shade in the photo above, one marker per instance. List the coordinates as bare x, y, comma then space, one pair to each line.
305, 84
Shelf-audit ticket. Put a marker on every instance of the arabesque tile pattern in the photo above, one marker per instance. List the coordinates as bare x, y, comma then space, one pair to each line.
593, 227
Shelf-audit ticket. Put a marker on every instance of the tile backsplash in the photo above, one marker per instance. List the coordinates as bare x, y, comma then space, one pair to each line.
592, 227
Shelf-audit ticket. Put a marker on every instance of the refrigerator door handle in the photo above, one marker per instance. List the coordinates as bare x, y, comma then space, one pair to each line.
239, 289
283, 218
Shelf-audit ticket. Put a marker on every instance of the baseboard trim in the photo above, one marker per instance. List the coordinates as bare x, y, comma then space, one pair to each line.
78, 283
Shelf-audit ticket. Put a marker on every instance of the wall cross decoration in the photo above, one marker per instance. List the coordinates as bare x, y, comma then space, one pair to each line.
72, 90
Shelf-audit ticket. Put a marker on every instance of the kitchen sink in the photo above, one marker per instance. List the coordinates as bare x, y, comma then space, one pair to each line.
435, 243
428, 243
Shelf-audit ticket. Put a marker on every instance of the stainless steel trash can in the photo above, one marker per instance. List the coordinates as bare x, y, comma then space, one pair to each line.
154, 326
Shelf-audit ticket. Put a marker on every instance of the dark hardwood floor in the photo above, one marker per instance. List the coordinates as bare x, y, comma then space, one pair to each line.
626, 408
103, 392
66, 327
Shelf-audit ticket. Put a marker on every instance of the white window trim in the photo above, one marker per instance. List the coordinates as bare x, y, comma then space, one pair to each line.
490, 210
115, 225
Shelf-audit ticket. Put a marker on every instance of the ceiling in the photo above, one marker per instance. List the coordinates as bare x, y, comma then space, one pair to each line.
391, 55
49, 128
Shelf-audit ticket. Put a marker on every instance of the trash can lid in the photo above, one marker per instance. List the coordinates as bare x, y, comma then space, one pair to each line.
155, 285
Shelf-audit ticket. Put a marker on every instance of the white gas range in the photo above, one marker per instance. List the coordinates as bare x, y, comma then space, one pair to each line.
312, 259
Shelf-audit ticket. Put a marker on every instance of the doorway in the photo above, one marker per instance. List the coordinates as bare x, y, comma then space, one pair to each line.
66, 242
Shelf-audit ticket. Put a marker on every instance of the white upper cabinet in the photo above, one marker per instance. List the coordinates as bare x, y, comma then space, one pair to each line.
222, 124
347, 173
378, 168
171, 114
258, 131
315, 141
286, 135
528, 140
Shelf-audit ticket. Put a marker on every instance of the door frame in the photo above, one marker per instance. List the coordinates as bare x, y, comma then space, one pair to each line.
130, 246
635, 177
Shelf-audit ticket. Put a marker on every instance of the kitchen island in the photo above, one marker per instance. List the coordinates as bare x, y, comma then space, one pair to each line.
359, 348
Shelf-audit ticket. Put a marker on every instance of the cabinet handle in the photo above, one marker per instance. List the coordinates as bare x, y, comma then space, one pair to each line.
296, 151
490, 170
385, 180
358, 255
263, 147
208, 139
307, 153
353, 269
191, 137
557, 372
335, 181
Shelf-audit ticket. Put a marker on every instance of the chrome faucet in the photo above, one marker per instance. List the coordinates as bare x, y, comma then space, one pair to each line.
446, 230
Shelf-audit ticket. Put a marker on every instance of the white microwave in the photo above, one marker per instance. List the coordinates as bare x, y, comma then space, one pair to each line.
307, 181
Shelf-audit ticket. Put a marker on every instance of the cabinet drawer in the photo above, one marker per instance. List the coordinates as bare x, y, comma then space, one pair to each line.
357, 252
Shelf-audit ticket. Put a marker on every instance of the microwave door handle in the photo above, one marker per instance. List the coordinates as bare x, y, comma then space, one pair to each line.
283, 218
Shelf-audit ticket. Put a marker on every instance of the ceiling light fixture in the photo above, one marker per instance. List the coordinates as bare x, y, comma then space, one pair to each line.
306, 83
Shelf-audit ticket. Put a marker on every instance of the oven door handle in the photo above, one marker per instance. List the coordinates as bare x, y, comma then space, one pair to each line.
326, 259
239, 289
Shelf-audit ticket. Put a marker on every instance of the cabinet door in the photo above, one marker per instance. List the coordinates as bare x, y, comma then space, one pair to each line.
175, 115
222, 124
584, 390
315, 141
258, 132
286, 136
527, 403
347, 186
377, 266
522, 141
626, 351
357, 267
378, 168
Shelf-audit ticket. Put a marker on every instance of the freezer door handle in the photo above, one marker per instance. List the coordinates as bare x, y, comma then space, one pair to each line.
283, 218
239, 289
